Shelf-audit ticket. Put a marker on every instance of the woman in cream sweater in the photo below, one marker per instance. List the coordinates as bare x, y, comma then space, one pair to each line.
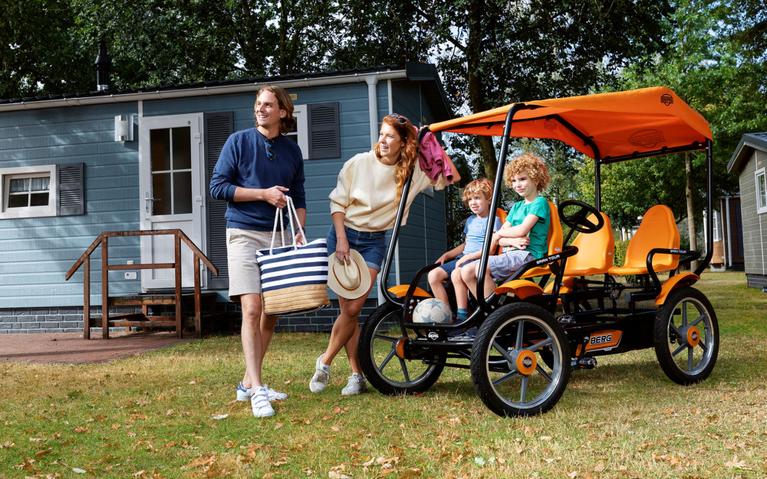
363, 206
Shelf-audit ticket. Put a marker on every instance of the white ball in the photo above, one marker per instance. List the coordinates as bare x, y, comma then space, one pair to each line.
432, 310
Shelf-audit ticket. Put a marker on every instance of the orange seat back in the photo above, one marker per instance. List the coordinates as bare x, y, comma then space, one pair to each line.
555, 230
555, 239
657, 230
595, 251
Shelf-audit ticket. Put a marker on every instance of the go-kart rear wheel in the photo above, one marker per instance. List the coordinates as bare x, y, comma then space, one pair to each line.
508, 366
686, 336
383, 367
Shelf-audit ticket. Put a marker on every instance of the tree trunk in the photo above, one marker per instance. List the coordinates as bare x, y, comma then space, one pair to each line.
474, 74
690, 209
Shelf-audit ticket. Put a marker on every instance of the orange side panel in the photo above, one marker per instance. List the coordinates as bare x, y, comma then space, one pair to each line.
521, 288
401, 290
679, 280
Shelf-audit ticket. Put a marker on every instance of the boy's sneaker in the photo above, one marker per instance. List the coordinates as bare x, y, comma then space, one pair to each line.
260, 404
321, 376
355, 385
244, 394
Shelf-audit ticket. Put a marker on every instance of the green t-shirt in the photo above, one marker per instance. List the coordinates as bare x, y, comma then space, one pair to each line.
539, 207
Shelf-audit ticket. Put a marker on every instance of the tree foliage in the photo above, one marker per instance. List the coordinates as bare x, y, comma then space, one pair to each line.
716, 66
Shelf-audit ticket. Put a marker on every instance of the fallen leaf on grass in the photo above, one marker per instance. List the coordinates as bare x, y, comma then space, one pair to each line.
77, 470
81, 429
43, 452
735, 463
7, 445
218, 417
572, 474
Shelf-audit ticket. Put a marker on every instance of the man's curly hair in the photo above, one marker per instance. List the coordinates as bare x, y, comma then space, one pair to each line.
531, 165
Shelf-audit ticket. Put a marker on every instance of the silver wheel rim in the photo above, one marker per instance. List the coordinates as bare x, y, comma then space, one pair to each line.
396, 371
514, 337
689, 358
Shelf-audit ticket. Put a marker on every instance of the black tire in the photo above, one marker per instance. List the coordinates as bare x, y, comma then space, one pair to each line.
382, 367
509, 372
686, 324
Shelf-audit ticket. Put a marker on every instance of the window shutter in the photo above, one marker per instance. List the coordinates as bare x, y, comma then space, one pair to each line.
324, 131
218, 127
71, 190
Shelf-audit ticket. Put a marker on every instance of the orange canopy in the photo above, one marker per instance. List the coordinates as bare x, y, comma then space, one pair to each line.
619, 124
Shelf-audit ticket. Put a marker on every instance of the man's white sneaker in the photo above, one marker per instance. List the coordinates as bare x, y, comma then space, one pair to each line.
275, 395
321, 376
260, 404
355, 385
244, 394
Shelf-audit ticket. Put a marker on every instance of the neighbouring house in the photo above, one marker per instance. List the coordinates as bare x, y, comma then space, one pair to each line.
749, 162
72, 167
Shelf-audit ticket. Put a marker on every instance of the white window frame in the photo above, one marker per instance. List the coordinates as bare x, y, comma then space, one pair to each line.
302, 129
6, 174
761, 196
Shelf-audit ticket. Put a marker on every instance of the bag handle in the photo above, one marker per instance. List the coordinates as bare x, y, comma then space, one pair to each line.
278, 218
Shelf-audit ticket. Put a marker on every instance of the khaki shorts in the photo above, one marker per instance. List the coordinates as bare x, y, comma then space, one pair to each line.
241, 247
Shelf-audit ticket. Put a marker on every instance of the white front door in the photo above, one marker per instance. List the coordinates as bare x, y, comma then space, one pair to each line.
171, 193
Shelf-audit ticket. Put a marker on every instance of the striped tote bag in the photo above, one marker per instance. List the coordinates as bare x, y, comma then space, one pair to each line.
293, 278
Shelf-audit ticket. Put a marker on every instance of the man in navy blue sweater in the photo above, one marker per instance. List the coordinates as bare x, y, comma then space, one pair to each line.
255, 171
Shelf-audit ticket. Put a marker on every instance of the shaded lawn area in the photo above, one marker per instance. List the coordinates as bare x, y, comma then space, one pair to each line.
171, 413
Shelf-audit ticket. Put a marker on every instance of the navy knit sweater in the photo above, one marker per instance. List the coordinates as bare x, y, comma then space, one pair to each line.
244, 162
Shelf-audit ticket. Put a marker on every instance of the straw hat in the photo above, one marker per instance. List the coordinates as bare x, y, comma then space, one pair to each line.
348, 280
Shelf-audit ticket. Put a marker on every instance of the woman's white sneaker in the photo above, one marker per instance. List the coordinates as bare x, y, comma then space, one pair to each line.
355, 385
321, 376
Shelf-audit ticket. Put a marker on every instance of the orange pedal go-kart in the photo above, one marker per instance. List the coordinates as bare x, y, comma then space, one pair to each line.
562, 311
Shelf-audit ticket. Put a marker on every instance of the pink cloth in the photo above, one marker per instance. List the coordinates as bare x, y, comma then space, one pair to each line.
433, 160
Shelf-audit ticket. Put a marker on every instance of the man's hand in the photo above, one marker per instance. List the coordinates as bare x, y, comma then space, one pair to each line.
442, 259
275, 196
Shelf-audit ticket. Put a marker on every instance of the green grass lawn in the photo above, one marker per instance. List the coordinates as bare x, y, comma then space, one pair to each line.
171, 413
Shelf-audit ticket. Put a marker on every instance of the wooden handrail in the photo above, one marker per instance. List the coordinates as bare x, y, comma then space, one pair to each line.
107, 234
103, 241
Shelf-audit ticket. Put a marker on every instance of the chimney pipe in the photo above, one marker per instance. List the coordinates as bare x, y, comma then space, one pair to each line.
103, 65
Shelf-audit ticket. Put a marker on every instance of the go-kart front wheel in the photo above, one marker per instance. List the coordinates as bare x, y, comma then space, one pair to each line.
510, 357
686, 336
382, 365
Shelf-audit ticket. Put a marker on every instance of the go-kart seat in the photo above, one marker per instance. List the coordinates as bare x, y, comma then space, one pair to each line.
554, 242
657, 230
595, 251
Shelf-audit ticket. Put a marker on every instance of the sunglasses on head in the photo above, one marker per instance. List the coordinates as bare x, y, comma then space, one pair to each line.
400, 119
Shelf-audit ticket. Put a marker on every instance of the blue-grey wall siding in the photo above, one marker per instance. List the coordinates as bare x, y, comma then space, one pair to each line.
35, 253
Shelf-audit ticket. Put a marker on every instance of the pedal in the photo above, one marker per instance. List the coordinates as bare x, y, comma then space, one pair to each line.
588, 362
566, 319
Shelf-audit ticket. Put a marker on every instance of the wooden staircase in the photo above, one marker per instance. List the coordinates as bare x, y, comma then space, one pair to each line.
177, 301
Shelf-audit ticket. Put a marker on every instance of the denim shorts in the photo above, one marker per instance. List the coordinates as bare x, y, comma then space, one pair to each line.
449, 266
371, 245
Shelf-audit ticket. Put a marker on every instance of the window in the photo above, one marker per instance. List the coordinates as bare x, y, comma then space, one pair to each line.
28, 192
300, 134
761, 191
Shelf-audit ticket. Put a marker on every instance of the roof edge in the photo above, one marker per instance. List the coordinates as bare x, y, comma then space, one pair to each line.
215, 88
748, 142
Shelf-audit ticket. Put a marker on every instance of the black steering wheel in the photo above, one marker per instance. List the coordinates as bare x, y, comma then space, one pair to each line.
578, 216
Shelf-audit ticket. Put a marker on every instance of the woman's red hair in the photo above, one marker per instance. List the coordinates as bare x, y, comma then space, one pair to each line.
409, 151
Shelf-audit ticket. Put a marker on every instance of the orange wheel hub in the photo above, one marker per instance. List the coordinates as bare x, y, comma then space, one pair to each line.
526, 362
399, 348
693, 336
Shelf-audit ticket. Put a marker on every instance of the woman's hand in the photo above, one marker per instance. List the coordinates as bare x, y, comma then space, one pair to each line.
342, 249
